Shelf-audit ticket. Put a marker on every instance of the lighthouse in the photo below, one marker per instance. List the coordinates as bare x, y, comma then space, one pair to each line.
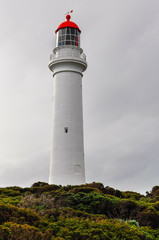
67, 62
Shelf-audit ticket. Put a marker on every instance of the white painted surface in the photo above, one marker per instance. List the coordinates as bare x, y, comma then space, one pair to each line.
67, 154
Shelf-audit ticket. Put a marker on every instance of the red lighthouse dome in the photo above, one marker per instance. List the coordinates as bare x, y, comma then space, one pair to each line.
68, 33
68, 23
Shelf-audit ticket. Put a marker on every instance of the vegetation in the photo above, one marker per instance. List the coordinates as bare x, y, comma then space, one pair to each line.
89, 211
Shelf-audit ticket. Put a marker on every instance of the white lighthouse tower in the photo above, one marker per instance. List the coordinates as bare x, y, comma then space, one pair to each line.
67, 63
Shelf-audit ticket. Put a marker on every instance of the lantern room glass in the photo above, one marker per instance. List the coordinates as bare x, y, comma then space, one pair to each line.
68, 36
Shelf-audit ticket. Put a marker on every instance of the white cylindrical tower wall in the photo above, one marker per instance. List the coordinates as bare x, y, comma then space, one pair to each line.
67, 141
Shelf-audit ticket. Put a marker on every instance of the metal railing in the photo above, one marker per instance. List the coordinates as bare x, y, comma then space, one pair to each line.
54, 56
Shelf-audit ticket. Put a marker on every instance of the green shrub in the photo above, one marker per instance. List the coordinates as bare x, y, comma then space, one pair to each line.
23, 232
133, 223
84, 190
92, 203
9, 212
132, 195
113, 192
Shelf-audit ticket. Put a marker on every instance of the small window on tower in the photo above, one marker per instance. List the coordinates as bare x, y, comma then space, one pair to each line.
77, 169
66, 129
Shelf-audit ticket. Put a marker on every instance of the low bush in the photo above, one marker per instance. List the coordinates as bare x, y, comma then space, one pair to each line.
91, 211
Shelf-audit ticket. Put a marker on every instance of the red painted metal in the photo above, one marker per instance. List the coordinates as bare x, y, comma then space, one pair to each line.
67, 23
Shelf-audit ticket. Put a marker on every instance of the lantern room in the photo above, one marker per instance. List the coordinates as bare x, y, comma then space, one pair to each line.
68, 33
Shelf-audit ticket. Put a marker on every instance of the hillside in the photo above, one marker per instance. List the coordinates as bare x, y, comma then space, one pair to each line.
89, 211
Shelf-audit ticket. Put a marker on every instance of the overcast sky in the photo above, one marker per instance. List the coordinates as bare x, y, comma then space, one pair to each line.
120, 90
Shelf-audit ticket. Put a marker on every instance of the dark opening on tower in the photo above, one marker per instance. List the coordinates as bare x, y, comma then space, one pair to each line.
66, 129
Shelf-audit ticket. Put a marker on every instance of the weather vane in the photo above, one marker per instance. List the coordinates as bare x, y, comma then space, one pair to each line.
68, 13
